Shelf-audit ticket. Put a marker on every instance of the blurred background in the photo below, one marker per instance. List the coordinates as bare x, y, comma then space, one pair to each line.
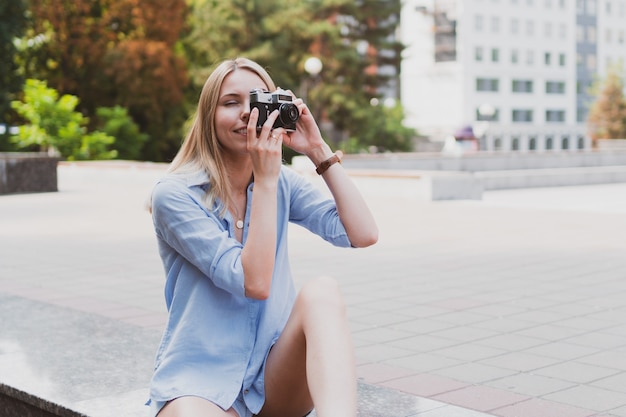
119, 79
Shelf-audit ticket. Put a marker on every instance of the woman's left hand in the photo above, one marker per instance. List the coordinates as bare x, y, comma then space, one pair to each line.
307, 137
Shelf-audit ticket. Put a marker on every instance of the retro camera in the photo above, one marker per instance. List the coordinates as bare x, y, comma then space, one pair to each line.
267, 102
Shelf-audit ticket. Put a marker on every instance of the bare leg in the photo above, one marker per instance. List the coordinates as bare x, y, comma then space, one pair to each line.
312, 362
194, 407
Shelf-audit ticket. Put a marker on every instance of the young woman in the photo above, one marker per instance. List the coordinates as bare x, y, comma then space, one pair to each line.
239, 341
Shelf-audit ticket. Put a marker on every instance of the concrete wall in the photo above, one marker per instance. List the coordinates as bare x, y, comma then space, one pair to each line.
27, 173
486, 161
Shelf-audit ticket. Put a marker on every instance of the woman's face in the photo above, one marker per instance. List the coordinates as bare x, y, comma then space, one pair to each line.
233, 109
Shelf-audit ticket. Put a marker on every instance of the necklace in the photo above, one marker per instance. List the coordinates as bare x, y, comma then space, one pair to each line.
239, 222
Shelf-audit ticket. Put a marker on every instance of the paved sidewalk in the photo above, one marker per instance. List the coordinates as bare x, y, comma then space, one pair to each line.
510, 306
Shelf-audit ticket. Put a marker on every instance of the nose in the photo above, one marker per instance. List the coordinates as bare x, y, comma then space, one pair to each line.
245, 114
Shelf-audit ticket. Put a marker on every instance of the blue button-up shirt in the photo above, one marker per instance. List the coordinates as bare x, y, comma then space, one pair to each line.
216, 340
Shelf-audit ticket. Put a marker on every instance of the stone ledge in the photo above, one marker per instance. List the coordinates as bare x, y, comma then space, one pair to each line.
27, 173
56, 361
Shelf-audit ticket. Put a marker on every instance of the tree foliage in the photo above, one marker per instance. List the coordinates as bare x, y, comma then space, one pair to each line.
55, 125
115, 52
353, 39
116, 122
12, 25
607, 115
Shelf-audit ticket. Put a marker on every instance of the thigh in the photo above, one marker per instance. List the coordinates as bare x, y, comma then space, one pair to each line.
286, 389
190, 406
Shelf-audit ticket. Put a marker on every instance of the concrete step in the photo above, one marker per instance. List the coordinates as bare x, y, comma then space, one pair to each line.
56, 361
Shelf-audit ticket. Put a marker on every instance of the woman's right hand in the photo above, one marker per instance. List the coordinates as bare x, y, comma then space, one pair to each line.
265, 147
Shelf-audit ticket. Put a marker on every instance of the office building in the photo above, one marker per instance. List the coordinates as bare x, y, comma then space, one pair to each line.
517, 71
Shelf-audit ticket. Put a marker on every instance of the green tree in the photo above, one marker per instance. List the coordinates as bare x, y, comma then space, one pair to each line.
115, 122
12, 25
115, 52
353, 39
380, 127
607, 115
55, 125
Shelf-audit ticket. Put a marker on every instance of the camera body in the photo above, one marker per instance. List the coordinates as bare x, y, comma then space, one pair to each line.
267, 102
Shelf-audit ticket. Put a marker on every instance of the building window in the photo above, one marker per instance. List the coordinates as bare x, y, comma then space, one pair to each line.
565, 142
580, 6
478, 23
546, 58
515, 143
495, 55
581, 114
555, 87
478, 53
530, 27
487, 84
563, 31
591, 34
530, 57
482, 117
562, 60
514, 26
532, 143
547, 30
555, 116
495, 24
591, 62
522, 115
522, 86
514, 56
580, 33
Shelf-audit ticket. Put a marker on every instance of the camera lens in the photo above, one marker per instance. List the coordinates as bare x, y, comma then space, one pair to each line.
288, 113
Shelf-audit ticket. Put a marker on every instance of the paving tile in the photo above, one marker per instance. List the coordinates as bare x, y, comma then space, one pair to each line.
617, 412
470, 352
576, 372
598, 340
530, 384
423, 362
382, 335
613, 383
466, 334
474, 373
511, 342
481, 398
589, 397
537, 407
520, 361
424, 385
562, 350
424, 343
451, 411
608, 359
551, 332
376, 372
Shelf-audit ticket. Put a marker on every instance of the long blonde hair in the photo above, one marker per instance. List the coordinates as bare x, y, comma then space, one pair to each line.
201, 149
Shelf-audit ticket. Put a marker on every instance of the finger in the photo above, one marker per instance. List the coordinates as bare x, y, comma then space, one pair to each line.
266, 130
251, 128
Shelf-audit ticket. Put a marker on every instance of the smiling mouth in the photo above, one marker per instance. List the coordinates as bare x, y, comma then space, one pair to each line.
243, 131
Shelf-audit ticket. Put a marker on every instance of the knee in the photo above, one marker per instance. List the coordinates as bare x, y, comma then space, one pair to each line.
322, 294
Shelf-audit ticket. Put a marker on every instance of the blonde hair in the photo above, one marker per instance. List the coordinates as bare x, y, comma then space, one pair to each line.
201, 150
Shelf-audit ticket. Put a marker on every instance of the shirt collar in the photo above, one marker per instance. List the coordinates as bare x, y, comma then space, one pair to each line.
197, 178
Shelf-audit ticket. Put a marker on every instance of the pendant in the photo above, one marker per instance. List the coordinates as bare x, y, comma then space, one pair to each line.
239, 224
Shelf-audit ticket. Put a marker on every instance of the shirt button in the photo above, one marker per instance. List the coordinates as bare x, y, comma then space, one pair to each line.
246, 392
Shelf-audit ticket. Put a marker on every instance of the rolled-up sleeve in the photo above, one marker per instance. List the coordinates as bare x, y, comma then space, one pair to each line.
312, 209
185, 228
